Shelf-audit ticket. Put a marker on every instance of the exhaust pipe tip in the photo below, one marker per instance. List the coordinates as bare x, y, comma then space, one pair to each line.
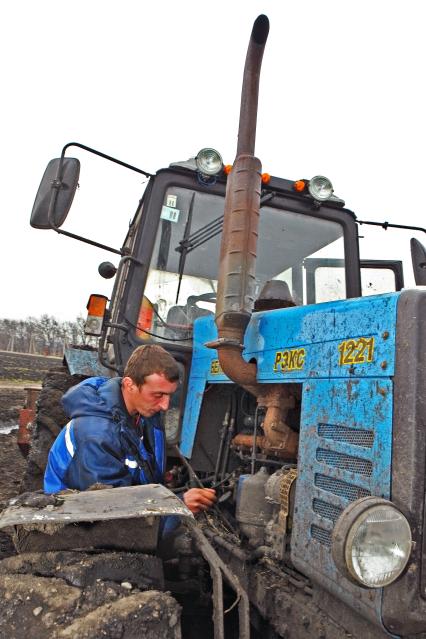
260, 29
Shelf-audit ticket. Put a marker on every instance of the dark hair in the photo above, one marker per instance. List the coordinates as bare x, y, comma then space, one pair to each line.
150, 359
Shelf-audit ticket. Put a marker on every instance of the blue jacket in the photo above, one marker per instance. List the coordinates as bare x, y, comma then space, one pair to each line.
102, 443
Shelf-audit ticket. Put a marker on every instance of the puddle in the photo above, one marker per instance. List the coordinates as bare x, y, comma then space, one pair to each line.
6, 429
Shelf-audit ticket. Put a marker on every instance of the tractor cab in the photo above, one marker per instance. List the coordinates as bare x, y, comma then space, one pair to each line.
167, 275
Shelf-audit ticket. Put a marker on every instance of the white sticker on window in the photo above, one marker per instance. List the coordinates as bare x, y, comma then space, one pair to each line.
171, 200
170, 214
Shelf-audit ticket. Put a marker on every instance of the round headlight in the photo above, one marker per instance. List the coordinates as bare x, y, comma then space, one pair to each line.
320, 188
209, 162
371, 542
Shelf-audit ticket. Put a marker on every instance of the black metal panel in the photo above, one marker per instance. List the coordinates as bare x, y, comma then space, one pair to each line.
404, 604
207, 440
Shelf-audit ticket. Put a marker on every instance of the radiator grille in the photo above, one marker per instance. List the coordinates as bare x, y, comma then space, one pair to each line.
321, 535
346, 462
345, 454
326, 510
355, 436
340, 488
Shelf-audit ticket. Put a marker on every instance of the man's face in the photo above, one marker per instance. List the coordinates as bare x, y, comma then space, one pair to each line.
153, 396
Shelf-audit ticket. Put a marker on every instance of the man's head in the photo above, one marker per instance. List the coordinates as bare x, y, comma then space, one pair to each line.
150, 378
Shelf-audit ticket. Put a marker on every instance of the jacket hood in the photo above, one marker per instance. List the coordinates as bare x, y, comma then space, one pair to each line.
96, 396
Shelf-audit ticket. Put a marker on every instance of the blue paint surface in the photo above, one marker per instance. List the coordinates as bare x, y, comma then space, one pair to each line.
345, 447
318, 329
345, 452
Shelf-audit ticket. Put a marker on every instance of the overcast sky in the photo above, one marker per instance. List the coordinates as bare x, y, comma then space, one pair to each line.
342, 94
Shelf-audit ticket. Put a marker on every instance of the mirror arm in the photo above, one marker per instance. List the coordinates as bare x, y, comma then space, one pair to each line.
56, 186
87, 241
106, 157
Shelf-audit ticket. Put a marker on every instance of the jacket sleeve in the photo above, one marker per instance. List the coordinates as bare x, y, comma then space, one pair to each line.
97, 462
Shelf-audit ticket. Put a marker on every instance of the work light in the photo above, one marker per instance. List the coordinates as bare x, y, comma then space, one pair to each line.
320, 188
209, 162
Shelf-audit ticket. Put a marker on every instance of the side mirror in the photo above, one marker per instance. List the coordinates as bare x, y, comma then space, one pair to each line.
418, 257
55, 194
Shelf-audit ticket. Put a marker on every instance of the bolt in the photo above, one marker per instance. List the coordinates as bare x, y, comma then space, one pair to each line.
384, 365
385, 334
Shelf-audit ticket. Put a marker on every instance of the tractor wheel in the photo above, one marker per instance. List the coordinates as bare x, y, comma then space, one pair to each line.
49, 420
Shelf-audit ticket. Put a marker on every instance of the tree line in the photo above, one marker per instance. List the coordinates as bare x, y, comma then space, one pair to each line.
44, 335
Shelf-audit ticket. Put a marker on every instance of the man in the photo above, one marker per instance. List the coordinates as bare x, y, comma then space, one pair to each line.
115, 435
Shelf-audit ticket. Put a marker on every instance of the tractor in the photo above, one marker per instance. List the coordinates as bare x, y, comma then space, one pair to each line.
301, 401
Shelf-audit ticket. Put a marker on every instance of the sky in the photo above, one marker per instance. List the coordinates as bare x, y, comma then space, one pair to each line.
341, 94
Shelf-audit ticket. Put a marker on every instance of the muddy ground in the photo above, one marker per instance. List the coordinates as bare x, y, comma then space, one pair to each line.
24, 368
17, 372
12, 463
71, 595
12, 469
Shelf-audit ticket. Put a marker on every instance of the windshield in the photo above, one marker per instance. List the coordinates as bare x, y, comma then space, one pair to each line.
182, 279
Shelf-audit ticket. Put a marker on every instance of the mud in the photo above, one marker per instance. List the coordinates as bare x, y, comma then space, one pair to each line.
12, 463
71, 595
50, 607
12, 467
25, 367
12, 399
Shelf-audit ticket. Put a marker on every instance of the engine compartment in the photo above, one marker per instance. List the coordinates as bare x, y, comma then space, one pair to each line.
254, 484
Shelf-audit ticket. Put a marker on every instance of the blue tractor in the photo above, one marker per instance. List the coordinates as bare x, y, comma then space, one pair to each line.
302, 395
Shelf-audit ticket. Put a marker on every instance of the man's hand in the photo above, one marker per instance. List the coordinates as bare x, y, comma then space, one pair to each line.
197, 499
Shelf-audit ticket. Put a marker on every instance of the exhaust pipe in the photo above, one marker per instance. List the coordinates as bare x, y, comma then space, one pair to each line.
236, 285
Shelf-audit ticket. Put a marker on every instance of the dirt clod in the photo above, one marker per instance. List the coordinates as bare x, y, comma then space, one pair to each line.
65, 595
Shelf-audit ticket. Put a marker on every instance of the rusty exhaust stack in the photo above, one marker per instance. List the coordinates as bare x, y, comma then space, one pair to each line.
236, 285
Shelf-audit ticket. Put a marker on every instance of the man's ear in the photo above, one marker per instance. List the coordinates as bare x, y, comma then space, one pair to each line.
127, 383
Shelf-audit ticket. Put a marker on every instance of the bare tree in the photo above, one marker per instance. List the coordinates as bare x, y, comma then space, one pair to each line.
45, 335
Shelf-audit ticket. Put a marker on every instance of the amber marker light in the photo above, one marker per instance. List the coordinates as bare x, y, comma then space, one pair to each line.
95, 314
227, 169
96, 305
266, 178
299, 186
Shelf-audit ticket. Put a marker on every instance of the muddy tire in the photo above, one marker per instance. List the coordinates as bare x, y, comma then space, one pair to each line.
49, 420
65, 595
